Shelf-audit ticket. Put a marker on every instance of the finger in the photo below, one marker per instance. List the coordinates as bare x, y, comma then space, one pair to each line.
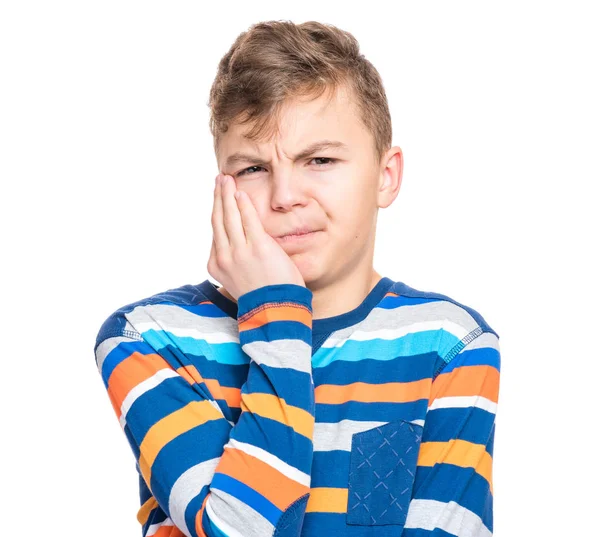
213, 253
220, 236
250, 220
231, 214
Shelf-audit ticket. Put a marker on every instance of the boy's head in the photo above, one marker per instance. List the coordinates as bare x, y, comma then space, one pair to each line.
281, 88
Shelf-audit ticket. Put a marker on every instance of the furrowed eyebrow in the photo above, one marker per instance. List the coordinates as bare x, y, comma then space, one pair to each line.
321, 145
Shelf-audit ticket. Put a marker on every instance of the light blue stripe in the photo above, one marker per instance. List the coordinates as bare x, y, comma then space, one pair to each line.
379, 349
228, 353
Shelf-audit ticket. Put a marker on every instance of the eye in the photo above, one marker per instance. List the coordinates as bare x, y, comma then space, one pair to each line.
245, 172
330, 161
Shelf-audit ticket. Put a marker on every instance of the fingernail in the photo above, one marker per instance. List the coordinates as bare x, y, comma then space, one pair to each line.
217, 179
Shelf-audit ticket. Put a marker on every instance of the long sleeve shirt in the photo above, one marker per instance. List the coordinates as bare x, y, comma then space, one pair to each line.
252, 419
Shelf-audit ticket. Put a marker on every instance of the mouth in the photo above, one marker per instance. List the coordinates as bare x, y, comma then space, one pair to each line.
304, 230
297, 237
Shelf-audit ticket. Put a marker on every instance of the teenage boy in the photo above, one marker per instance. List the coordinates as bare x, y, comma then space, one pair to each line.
306, 395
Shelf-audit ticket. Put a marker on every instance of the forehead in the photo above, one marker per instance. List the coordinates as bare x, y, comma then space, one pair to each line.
302, 121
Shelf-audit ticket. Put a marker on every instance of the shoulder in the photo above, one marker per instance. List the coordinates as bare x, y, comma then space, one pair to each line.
117, 325
452, 323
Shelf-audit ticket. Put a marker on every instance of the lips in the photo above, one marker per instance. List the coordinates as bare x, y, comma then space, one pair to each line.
298, 232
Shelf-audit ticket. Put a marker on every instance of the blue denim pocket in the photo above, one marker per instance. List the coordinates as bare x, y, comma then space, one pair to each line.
383, 462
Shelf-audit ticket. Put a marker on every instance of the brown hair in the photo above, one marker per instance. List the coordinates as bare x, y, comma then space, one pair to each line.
276, 60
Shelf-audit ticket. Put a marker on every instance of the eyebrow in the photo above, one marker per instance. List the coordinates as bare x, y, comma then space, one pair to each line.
321, 145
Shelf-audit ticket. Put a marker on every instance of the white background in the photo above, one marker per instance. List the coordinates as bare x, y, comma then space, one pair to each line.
107, 170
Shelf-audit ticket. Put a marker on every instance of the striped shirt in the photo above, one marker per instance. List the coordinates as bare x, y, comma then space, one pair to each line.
253, 419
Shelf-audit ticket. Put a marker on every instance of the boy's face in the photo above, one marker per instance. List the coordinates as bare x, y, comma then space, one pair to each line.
339, 198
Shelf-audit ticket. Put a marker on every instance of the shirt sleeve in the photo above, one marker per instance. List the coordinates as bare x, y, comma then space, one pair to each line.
208, 476
453, 493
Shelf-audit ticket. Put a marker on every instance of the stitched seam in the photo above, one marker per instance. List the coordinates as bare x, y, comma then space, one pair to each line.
271, 305
120, 333
286, 514
458, 348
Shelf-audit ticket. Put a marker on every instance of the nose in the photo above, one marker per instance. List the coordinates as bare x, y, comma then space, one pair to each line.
287, 191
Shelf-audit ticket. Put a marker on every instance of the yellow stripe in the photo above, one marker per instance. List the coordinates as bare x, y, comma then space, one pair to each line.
275, 408
170, 427
327, 500
144, 511
460, 453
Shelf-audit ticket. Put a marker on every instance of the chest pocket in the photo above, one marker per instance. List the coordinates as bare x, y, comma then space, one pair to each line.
383, 462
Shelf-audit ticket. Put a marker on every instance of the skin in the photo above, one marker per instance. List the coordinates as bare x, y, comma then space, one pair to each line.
340, 198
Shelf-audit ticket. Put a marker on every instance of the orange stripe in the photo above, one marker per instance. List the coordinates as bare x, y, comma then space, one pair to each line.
162, 432
144, 510
460, 453
467, 380
276, 408
264, 314
389, 392
229, 394
191, 374
169, 531
232, 396
198, 522
133, 370
263, 478
327, 500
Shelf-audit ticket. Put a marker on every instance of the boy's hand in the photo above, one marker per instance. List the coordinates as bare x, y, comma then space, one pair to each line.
244, 256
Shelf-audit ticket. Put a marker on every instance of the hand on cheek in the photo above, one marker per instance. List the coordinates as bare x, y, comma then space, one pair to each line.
244, 256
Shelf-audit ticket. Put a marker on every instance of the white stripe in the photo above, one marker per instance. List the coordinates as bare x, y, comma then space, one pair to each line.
142, 388
155, 527
395, 333
191, 332
330, 436
221, 524
240, 515
169, 317
273, 461
464, 401
187, 487
450, 517
288, 353
107, 346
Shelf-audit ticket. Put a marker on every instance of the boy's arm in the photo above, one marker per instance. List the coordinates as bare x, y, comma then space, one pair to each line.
453, 493
209, 477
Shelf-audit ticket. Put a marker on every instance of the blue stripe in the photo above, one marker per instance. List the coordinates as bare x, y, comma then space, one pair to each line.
276, 438
247, 495
443, 481
170, 395
330, 469
374, 370
120, 353
292, 385
276, 330
182, 453
481, 356
359, 411
193, 508
207, 310
471, 423
209, 527
283, 292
